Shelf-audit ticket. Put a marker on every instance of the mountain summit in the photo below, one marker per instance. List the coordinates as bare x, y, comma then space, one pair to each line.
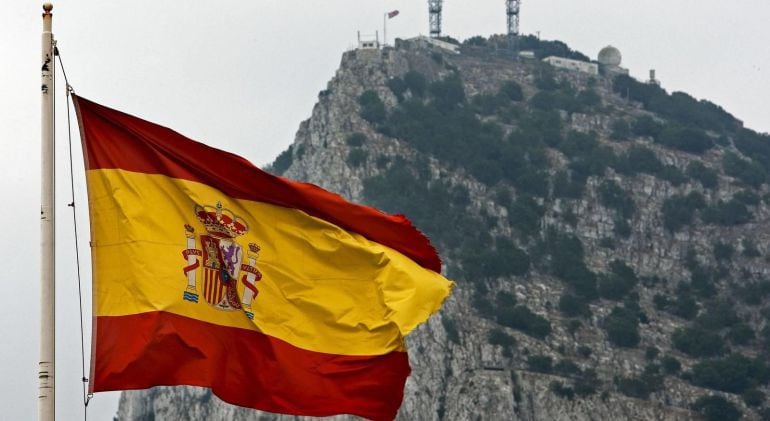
608, 238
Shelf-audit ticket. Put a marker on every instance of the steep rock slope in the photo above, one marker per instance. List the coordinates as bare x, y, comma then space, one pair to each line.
608, 239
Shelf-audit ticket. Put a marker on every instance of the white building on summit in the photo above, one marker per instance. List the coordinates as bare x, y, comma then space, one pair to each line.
570, 64
608, 63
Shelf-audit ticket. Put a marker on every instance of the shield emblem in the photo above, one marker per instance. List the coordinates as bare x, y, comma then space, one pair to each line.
222, 259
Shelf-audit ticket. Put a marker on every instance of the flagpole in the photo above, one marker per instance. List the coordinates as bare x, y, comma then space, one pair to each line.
385, 29
46, 380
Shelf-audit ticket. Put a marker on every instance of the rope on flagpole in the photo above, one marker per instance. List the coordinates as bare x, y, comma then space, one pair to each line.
86, 396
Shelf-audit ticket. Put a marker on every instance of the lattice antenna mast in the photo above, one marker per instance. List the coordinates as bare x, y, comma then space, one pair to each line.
434, 8
512, 11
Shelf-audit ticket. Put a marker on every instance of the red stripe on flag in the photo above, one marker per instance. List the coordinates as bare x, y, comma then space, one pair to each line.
207, 285
212, 287
243, 367
114, 139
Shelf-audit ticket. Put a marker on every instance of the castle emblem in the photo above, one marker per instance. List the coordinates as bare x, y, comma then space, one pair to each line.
222, 261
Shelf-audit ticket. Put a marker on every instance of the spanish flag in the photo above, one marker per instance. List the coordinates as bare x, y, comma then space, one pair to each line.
274, 294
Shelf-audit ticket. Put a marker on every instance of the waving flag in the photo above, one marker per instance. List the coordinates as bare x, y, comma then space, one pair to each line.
275, 294
393, 14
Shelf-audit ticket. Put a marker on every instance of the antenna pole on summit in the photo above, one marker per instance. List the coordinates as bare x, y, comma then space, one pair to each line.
46, 369
512, 9
434, 10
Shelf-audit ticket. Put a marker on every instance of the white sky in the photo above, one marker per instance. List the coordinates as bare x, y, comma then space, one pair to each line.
242, 75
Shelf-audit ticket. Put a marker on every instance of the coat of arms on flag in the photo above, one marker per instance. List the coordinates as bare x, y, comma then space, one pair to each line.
222, 261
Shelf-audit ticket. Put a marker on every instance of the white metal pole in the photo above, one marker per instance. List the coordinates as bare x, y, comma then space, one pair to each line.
385, 30
46, 380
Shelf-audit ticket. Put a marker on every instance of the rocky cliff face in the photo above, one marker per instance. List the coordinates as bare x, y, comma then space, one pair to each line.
591, 260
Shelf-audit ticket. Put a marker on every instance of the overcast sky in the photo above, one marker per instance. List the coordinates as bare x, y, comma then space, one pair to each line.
241, 76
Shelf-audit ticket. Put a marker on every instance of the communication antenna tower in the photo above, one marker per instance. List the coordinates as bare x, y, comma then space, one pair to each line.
434, 8
512, 11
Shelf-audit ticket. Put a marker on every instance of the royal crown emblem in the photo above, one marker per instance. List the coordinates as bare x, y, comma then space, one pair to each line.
222, 261
220, 222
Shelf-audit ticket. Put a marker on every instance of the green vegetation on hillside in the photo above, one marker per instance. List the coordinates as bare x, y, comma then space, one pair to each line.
717, 408
616, 284
283, 161
707, 177
622, 327
734, 373
431, 205
679, 106
372, 108
679, 211
729, 213
541, 48
749, 172
697, 342
641, 386
562, 255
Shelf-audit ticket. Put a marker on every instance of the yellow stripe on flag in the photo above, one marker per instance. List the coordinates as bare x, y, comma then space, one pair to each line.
323, 288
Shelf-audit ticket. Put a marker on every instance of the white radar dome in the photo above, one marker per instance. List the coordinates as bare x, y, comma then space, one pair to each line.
610, 56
